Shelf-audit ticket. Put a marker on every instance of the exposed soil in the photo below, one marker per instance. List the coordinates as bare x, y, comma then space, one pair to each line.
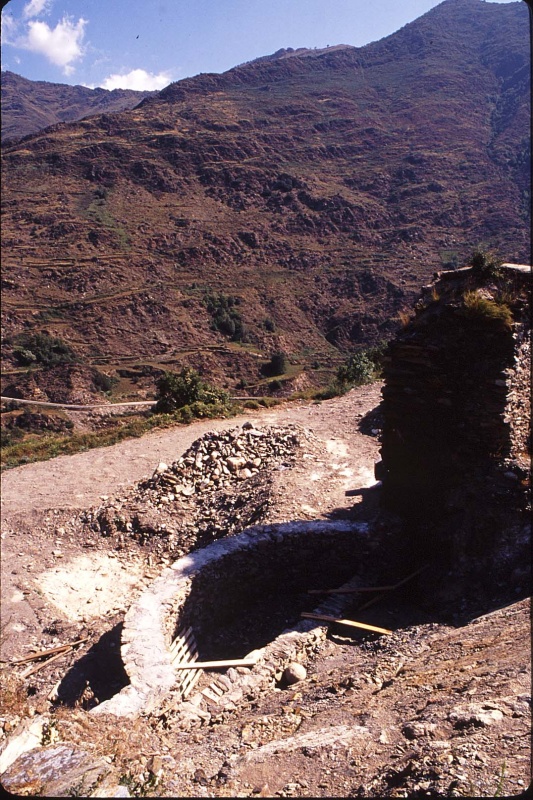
440, 707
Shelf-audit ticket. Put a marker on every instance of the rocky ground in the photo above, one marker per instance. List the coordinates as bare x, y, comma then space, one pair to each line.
441, 707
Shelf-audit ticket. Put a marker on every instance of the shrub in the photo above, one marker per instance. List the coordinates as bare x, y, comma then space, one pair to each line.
268, 402
24, 356
43, 349
186, 414
9, 436
360, 369
226, 318
103, 382
185, 389
485, 263
404, 317
476, 306
334, 389
277, 365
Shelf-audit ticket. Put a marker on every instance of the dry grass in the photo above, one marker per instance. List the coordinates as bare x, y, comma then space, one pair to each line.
476, 306
405, 318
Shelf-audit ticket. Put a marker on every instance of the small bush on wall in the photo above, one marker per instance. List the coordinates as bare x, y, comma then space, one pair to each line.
476, 306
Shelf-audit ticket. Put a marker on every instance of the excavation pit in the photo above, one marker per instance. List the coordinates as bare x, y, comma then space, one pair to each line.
244, 600
241, 595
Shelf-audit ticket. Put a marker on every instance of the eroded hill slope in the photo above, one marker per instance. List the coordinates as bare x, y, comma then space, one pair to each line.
294, 203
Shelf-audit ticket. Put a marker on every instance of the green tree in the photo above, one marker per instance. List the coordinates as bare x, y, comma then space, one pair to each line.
277, 365
41, 348
176, 390
362, 367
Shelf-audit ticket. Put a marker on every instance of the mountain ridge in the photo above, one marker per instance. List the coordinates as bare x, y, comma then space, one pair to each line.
317, 193
29, 106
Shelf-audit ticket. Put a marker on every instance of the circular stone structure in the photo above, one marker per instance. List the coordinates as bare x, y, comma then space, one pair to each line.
194, 588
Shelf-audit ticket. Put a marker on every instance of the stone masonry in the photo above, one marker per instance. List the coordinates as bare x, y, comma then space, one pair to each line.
152, 619
457, 423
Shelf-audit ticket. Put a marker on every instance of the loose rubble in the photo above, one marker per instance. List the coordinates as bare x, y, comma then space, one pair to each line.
220, 486
222, 460
294, 672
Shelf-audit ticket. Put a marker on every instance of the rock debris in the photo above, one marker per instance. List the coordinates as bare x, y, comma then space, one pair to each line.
220, 485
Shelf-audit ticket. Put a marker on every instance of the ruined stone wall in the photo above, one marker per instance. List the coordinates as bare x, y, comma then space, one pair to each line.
518, 383
457, 425
239, 603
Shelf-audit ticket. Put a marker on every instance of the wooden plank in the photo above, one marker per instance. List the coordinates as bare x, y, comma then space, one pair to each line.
368, 588
352, 591
37, 667
189, 682
184, 648
190, 678
215, 689
43, 653
180, 652
210, 696
236, 662
396, 586
185, 635
412, 575
183, 644
350, 622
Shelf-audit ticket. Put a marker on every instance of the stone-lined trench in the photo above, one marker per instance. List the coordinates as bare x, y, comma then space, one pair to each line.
240, 594
454, 467
244, 600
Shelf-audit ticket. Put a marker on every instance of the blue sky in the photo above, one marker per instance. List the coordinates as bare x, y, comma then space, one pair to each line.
146, 44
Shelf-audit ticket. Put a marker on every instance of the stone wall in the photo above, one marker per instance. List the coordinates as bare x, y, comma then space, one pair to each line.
457, 425
151, 622
243, 600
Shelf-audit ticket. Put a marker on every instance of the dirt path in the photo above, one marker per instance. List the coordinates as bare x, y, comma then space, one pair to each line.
51, 573
78, 481
78, 406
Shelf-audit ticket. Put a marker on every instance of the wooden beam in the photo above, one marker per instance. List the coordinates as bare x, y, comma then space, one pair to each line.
350, 622
32, 670
42, 653
352, 591
236, 662
396, 586
368, 588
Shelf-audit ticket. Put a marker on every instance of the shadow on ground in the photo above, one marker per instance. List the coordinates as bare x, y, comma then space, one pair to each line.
95, 677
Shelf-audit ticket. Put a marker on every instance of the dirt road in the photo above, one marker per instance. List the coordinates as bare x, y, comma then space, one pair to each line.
79, 480
46, 567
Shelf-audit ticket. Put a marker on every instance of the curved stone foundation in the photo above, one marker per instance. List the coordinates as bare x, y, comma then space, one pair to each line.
151, 621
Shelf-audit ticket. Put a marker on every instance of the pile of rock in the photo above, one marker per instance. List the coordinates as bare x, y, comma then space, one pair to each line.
220, 460
221, 485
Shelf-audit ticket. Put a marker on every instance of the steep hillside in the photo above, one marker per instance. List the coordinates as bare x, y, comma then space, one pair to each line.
29, 106
294, 203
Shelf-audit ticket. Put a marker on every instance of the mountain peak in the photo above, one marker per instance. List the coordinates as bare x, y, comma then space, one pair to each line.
29, 106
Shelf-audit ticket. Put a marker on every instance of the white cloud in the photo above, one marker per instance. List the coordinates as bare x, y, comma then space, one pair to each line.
137, 79
9, 28
61, 45
34, 8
